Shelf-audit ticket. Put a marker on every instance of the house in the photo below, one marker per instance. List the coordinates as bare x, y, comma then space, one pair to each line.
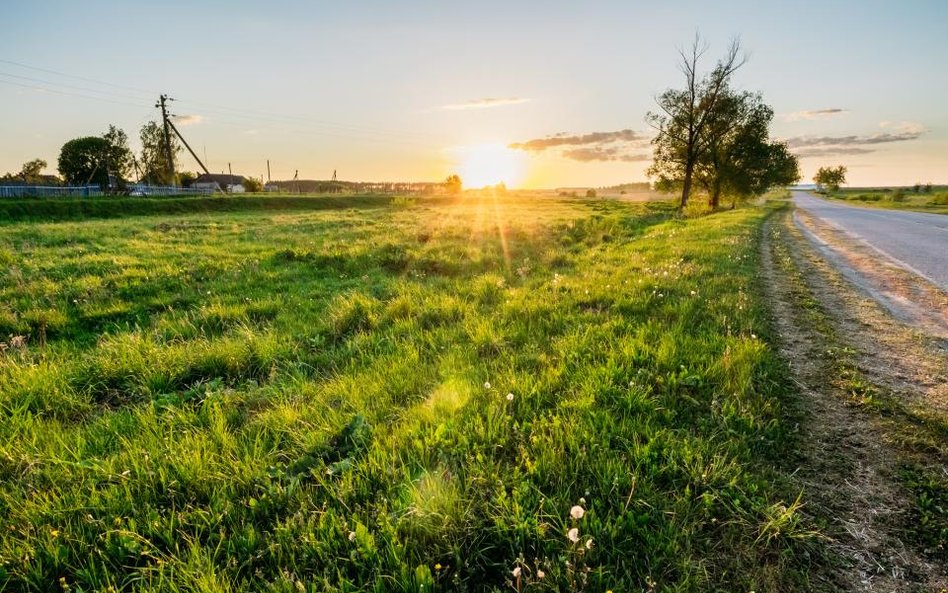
232, 184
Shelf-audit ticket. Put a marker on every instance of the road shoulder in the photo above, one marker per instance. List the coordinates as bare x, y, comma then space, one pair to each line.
873, 391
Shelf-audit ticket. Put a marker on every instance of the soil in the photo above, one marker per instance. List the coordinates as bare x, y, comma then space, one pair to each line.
833, 309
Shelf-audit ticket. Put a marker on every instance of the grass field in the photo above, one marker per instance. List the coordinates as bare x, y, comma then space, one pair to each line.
407, 396
923, 200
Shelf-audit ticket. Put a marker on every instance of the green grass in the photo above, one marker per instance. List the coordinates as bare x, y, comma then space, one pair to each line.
318, 401
933, 200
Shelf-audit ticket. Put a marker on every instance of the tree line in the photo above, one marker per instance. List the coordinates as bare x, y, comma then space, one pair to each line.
107, 161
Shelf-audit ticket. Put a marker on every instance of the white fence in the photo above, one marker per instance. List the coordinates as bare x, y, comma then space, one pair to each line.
42, 191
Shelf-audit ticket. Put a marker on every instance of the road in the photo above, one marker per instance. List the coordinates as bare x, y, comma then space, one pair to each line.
916, 240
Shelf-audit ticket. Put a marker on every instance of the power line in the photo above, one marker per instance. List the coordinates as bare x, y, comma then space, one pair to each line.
73, 76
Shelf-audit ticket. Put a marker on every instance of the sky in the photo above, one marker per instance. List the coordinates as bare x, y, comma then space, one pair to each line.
532, 93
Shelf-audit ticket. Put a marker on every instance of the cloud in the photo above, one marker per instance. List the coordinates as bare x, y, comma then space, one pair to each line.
831, 151
486, 103
600, 153
806, 146
187, 120
562, 139
814, 114
621, 145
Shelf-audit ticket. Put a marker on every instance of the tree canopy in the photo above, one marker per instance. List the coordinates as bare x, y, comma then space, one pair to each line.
714, 136
82, 161
103, 160
453, 184
830, 177
154, 160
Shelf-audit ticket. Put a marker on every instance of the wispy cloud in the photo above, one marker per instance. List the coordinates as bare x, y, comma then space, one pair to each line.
831, 151
562, 139
486, 103
187, 120
621, 145
808, 146
814, 114
600, 153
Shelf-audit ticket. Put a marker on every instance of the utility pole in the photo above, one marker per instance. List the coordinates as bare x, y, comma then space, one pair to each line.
164, 120
268, 170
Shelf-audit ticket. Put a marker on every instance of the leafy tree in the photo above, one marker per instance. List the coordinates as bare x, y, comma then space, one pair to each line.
685, 117
32, 170
740, 159
83, 161
186, 178
120, 159
453, 184
830, 177
252, 184
590, 193
154, 160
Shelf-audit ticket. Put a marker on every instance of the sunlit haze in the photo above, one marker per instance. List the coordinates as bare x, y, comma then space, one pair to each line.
532, 94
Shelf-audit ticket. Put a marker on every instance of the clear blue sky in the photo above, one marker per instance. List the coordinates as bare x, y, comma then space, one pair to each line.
399, 90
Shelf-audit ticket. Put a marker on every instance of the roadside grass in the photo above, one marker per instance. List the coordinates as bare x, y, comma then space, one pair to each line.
919, 436
400, 398
932, 199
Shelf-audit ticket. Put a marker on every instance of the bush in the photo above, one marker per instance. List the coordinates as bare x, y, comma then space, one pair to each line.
939, 199
590, 193
898, 195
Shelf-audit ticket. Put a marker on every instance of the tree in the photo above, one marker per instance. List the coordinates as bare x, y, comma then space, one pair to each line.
83, 161
253, 185
154, 159
830, 177
453, 184
119, 156
682, 124
740, 159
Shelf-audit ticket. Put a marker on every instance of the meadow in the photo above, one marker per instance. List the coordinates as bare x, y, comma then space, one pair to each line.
920, 198
451, 395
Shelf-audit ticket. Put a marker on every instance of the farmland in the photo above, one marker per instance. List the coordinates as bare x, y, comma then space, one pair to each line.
400, 396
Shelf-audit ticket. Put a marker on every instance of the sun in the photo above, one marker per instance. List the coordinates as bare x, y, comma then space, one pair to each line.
480, 165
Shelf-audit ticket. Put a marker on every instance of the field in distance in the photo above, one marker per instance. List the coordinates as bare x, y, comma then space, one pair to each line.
472, 394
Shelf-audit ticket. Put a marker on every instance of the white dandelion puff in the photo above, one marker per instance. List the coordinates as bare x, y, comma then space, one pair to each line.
577, 512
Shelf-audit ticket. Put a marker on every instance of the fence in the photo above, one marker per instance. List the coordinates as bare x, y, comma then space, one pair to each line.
140, 189
42, 191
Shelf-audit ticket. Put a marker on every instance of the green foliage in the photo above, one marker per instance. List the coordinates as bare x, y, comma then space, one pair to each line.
453, 184
313, 395
153, 162
714, 136
84, 161
253, 185
94, 159
830, 177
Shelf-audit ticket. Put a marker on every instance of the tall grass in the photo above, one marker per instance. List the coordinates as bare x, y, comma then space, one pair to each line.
396, 398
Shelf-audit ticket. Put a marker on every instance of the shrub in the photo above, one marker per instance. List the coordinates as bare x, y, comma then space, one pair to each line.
939, 199
899, 195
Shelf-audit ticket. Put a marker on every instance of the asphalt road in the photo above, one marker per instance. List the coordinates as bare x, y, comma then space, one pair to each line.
917, 240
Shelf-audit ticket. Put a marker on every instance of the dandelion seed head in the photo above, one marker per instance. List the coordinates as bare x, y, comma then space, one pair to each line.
516, 572
540, 574
573, 535
486, 384
577, 512
510, 397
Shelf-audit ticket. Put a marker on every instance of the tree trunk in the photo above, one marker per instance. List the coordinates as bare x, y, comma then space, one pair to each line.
715, 198
686, 186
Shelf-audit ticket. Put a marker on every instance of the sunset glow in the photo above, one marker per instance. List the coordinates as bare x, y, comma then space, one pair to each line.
480, 165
